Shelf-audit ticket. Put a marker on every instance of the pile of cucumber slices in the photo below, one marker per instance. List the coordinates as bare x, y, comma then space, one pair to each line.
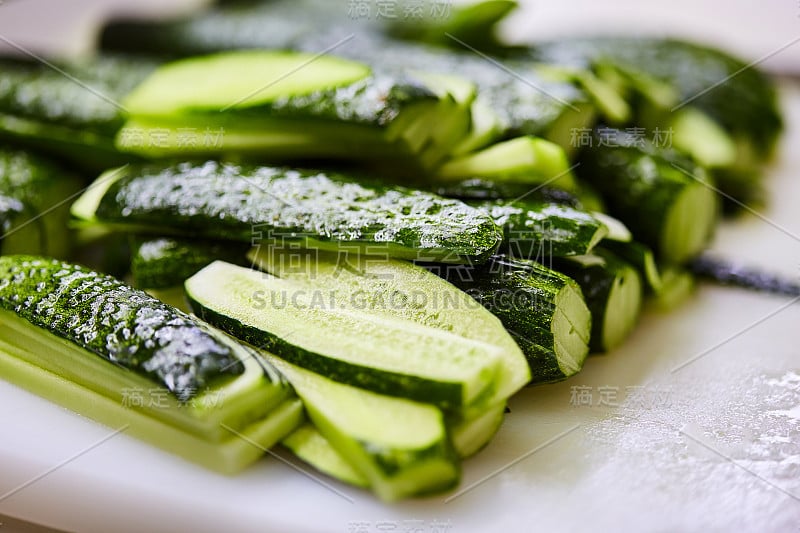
274, 223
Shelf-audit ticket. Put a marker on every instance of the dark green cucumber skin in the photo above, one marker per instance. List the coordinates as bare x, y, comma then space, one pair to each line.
381, 382
638, 184
241, 203
43, 109
479, 189
596, 282
745, 104
312, 26
31, 188
521, 294
539, 230
164, 262
122, 325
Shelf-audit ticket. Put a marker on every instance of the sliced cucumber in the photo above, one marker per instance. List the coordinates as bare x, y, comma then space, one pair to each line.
307, 443
662, 197
525, 159
315, 209
613, 292
400, 447
470, 435
639, 256
239, 80
309, 328
398, 289
542, 309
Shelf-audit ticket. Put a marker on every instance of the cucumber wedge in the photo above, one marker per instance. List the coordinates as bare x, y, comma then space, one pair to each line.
269, 101
409, 456
307, 443
613, 292
543, 310
525, 159
168, 369
400, 290
308, 328
316, 209
639, 256
471, 434
649, 190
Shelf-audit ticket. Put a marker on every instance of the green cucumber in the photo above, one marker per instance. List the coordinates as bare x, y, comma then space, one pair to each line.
307, 443
473, 23
165, 262
676, 287
639, 256
539, 230
33, 210
666, 200
399, 290
70, 110
309, 328
318, 209
468, 437
543, 310
400, 447
613, 292
102, 339
525, 99
525, 160
274, 103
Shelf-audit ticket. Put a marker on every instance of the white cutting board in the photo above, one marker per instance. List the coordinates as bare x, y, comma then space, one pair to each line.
712, 446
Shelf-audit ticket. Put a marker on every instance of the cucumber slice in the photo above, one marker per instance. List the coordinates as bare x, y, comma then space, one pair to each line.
678, 284
613, 292
307, 443
389, 356
237, 80
409, 456
316, 209
658, 194
472, 434
525, 159
542, 309
400, 290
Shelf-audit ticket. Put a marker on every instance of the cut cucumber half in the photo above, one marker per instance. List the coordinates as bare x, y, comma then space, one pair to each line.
307, 443
308, 328
613, 292
400, 447
401, 290
239, 79
524, 159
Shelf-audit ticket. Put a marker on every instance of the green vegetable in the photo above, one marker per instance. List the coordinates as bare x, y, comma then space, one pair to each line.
308, 328
395, 290
112, 349
639, 256
69, 110
613, 292
665, 199
279, 105
543, 309
400, 447
316, 209
525, 160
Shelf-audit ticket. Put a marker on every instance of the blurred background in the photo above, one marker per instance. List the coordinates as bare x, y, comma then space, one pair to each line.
767, 31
